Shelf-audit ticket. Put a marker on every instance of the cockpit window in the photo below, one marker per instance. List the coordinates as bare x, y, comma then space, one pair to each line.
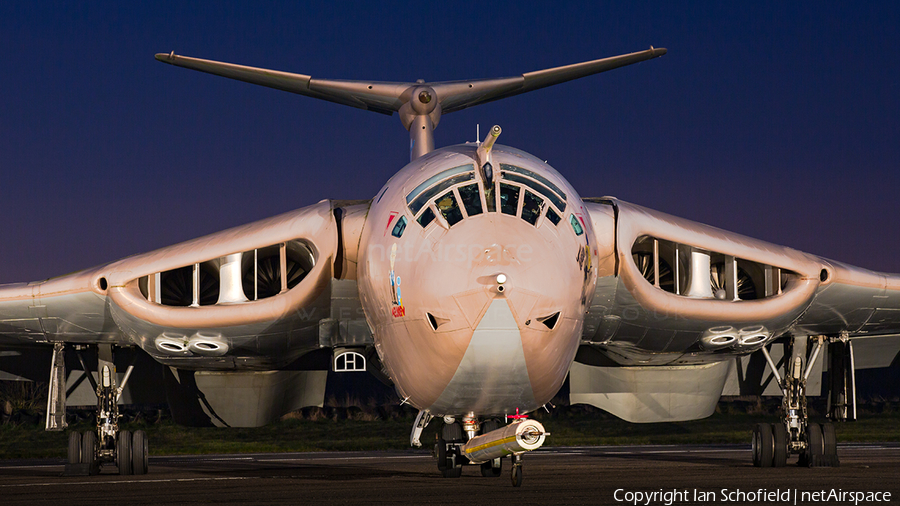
399, 227
552, 216
509, 199
575, 225
440, 176
428, 194
448, 207
543, 190
471, 199
532, 207
426, 218
537, 177
457, 192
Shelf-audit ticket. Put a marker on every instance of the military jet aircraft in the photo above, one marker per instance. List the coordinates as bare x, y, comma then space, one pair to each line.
475, 281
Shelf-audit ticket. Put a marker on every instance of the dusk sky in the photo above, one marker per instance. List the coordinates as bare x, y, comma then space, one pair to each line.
780, 122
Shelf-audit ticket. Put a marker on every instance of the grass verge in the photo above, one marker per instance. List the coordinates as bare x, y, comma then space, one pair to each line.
356, 429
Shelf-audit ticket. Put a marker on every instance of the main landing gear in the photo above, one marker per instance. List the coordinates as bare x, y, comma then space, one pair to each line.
89, 450
815, 443
485, 444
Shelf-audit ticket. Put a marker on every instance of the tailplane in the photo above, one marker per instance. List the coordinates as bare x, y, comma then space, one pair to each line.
420, 104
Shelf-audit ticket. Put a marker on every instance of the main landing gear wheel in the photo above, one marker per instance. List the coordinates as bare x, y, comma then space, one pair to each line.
830, 439
139, 452
821, 449
123, 452
763, 445
89, 452
448, 457
816, 445
74, 448
780, 449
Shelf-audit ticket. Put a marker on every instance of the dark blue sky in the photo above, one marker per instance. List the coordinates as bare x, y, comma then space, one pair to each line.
777, 122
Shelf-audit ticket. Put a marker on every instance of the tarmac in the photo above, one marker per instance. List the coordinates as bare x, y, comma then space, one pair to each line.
697, 474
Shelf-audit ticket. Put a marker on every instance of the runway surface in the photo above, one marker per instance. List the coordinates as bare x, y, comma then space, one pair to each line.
580, 475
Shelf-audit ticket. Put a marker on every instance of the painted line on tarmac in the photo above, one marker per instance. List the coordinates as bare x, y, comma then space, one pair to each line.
317, 459
117, 482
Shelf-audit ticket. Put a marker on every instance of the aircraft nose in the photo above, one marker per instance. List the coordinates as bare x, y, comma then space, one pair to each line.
493, 317
526, 323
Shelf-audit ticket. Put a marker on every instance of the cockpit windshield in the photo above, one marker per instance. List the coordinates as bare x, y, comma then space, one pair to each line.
455, 194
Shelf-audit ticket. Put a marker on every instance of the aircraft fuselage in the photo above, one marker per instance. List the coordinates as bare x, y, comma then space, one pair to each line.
476, 290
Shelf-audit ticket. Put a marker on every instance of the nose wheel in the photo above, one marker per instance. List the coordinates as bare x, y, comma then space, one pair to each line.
449, 460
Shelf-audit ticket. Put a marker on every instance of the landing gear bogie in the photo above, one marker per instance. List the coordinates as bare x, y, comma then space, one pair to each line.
87, 452
129, 452
816, 444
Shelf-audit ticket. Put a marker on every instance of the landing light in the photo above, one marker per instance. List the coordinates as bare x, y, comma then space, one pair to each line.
501, 278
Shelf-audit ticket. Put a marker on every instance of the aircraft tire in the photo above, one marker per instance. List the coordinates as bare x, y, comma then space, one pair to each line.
74, 447
766, 445
516, 475
139, 452
755, 446
779, 451
123, 452
452, 432
89, 452
815, 444
440, 451
830, 439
